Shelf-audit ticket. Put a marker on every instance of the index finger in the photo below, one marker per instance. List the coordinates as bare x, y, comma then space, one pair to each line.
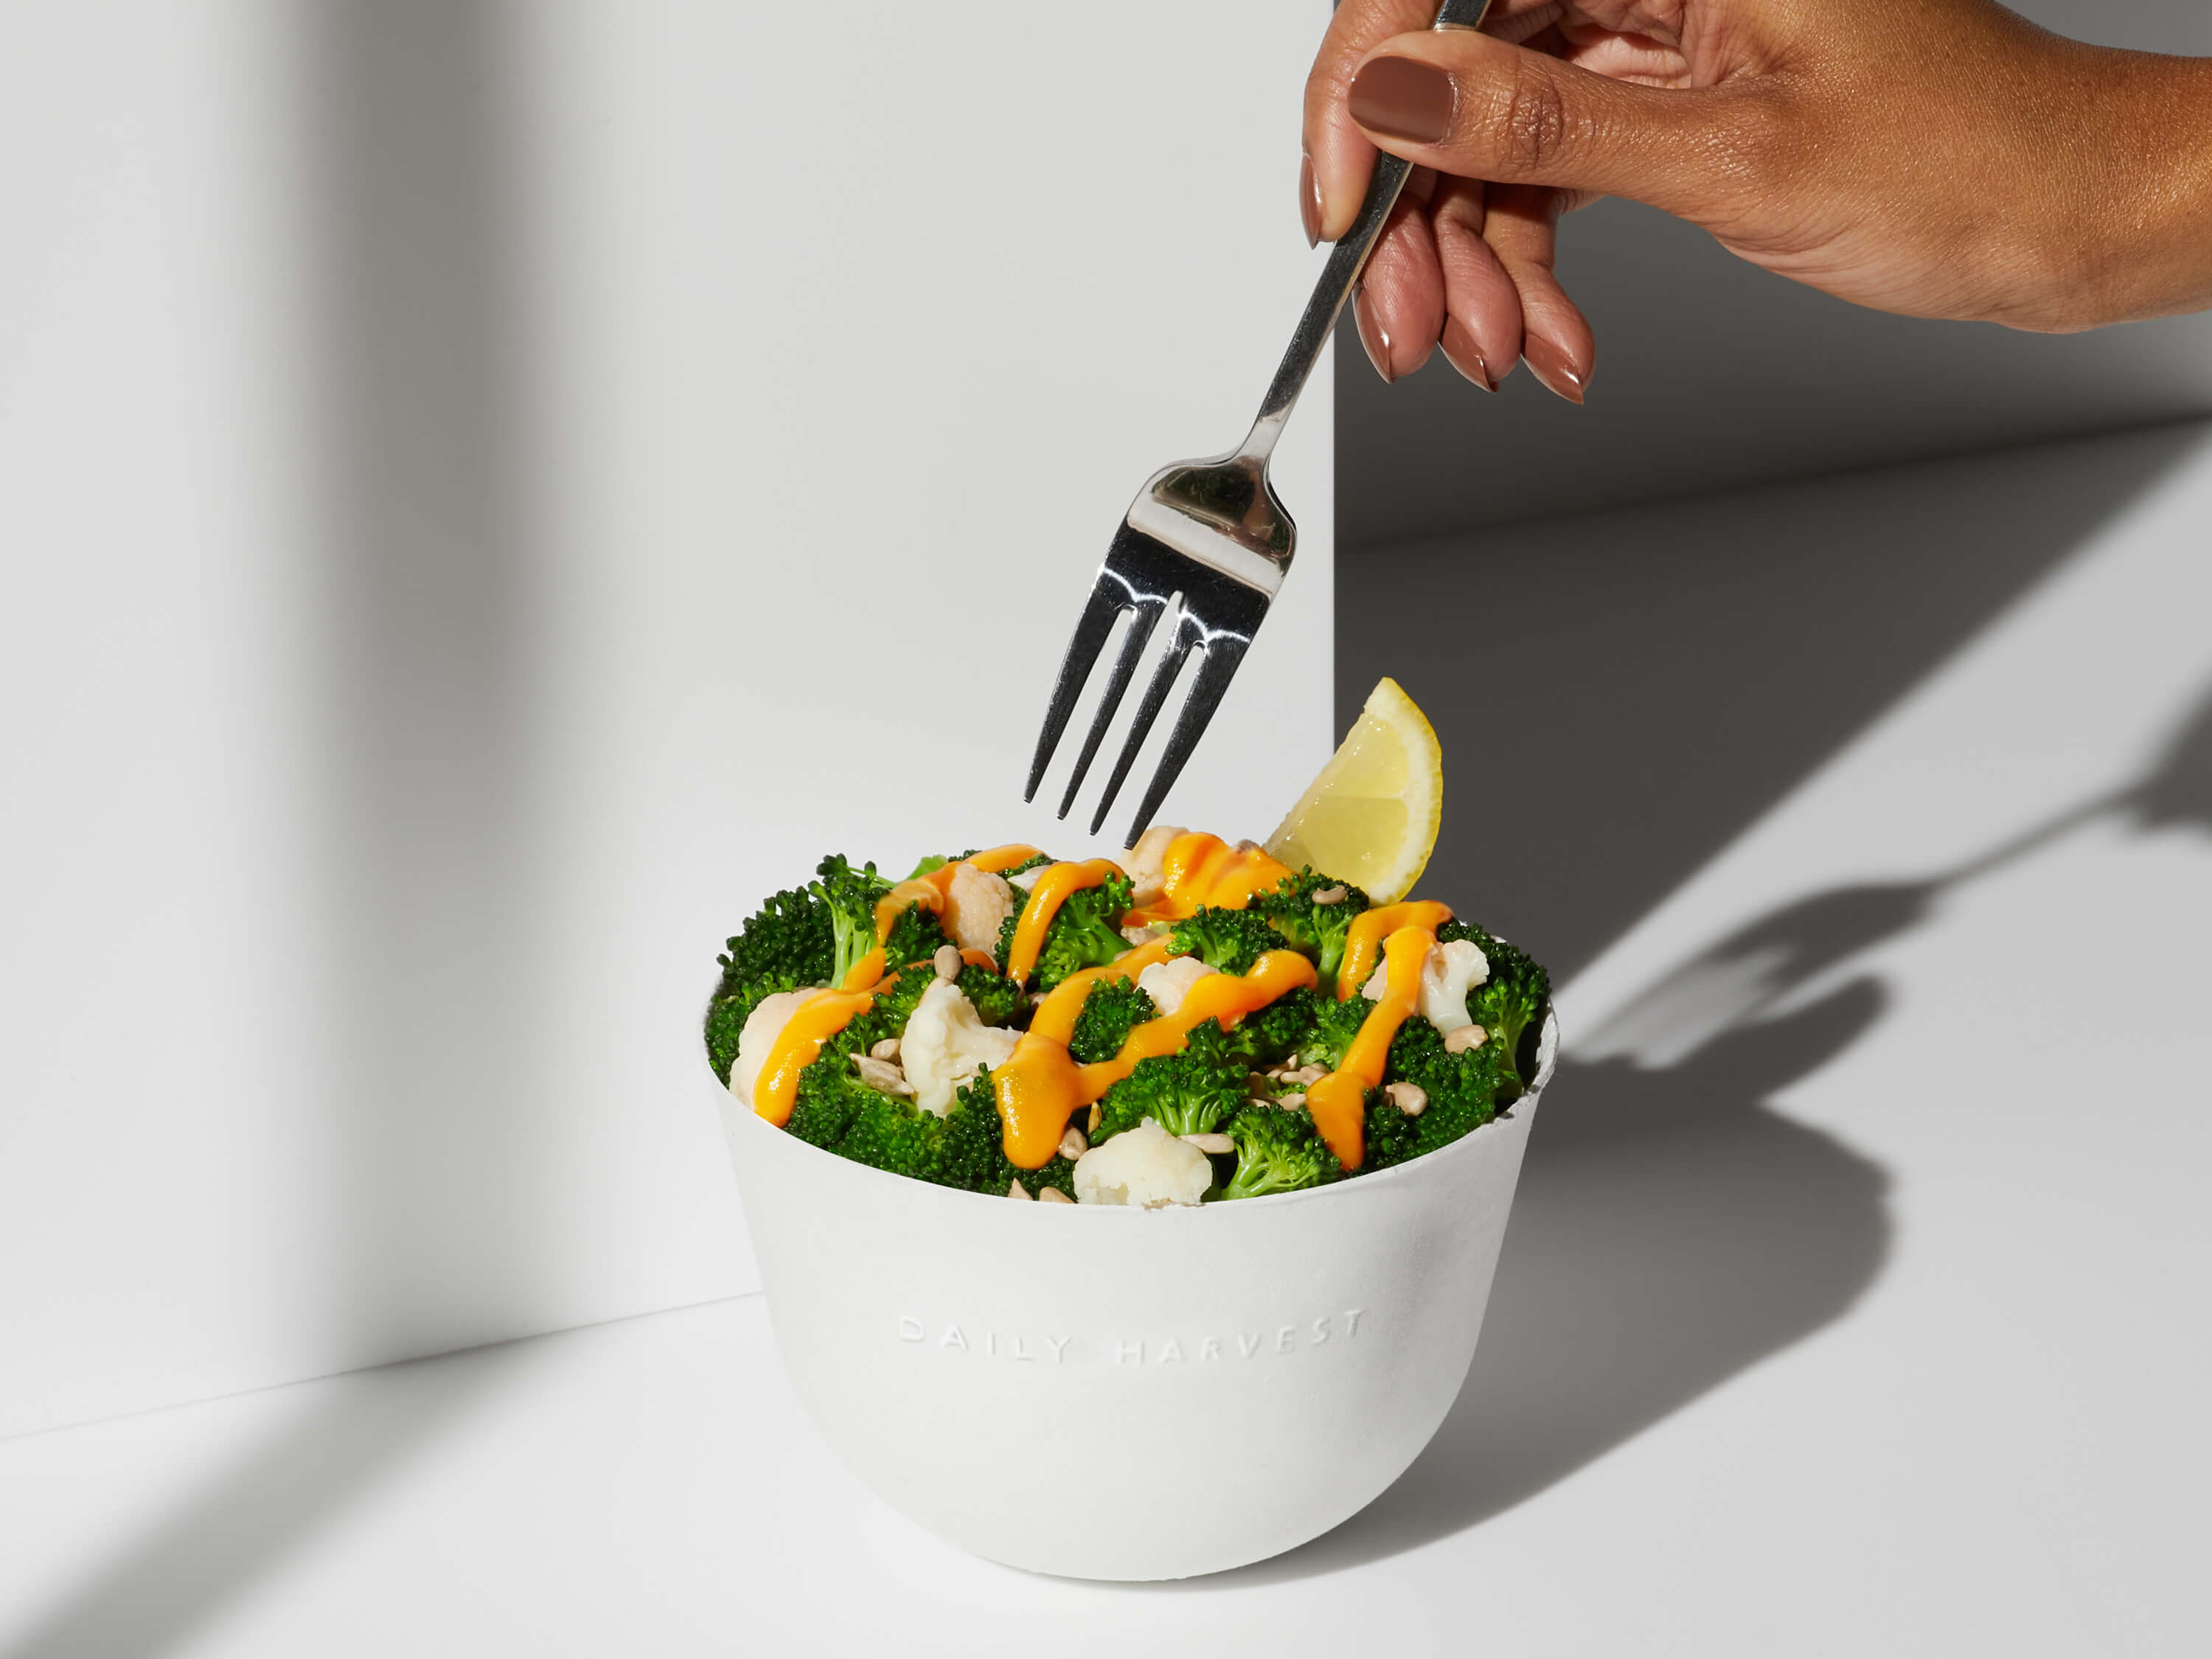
1341, 156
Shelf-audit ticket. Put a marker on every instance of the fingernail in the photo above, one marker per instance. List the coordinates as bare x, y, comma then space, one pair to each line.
1402, 97
1552, 366
1372, 335
1309, 201
1458, 347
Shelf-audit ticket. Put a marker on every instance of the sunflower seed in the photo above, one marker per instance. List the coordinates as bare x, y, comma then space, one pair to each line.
1410, 1098
882, 1075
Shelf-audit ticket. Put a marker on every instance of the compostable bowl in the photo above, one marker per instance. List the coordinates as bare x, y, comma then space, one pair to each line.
1109, 1393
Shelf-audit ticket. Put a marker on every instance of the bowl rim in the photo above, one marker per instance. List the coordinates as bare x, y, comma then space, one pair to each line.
1548, 1050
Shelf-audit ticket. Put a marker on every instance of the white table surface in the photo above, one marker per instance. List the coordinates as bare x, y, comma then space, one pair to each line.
1855, 1300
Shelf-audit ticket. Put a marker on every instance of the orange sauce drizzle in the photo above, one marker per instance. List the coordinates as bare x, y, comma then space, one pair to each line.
1040, 1087
812, 1023
1371, 928
929, 890
1338, 1101
1053, 887
1199, 870
866, 972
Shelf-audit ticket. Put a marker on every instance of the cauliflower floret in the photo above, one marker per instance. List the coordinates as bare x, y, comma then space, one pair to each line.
1447, 974
763, 1027
945, 1043
1146, 863
1027, 880
1167, 983
1144, 1166
976, 905
1446, 977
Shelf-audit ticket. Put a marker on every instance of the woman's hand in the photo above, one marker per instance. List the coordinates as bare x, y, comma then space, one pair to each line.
1941, 158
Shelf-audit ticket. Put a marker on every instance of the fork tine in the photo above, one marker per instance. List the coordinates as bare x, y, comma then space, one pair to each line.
1107, 599
1142, 621
1156, 696
1223, 653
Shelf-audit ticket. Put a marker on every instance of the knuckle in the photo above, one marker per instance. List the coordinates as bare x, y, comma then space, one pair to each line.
1756, 149
1534, 125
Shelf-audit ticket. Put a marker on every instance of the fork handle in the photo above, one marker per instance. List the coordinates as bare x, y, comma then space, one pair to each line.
1340, 275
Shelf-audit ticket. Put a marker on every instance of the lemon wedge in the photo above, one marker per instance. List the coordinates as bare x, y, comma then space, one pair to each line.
1371, 816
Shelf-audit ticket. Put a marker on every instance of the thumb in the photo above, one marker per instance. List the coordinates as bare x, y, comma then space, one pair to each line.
1470, 105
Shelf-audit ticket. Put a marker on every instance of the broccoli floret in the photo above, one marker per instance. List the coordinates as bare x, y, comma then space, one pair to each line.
1318, 930
997, 999
1111, 1010
889, 1134
1193, 1092
1035, 861
1463, 1089
1279, 1031
974, 1157
963, 1149
1085, 933
830, 1096
1509, 1004
1228, 940
914, 936
1335, 1027
851, 897
896, 998
789, 944
1277, 1152
1390, 1136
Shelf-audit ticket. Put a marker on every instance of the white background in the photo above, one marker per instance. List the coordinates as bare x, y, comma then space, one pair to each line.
487, 492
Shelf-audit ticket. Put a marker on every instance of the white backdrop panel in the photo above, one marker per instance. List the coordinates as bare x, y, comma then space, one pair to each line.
486, 491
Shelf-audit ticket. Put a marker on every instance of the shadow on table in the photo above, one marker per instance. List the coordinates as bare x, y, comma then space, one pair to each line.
1683, 668
165, 1587
1671, 1227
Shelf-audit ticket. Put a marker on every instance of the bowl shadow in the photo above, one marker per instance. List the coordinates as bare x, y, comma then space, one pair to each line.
1671, 1229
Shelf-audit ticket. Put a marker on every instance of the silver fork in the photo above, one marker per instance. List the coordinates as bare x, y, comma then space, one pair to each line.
1212, 534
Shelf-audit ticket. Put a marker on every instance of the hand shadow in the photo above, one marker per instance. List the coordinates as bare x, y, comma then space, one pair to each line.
1671, 1230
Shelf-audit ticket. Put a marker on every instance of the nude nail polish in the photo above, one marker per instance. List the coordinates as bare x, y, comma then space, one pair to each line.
1372, 335
1309, 201
1553, 368
1402, 98
1459, 349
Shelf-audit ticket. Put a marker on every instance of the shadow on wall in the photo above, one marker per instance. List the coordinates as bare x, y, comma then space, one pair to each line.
1713, 373
423, 531
1621, 694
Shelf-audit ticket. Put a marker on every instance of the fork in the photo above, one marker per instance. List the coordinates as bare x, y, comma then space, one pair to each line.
1212, 534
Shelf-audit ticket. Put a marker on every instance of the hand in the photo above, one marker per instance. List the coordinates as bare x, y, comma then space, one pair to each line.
1940, 158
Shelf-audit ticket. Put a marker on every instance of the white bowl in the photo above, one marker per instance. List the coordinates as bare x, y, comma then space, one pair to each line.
1107, 1392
